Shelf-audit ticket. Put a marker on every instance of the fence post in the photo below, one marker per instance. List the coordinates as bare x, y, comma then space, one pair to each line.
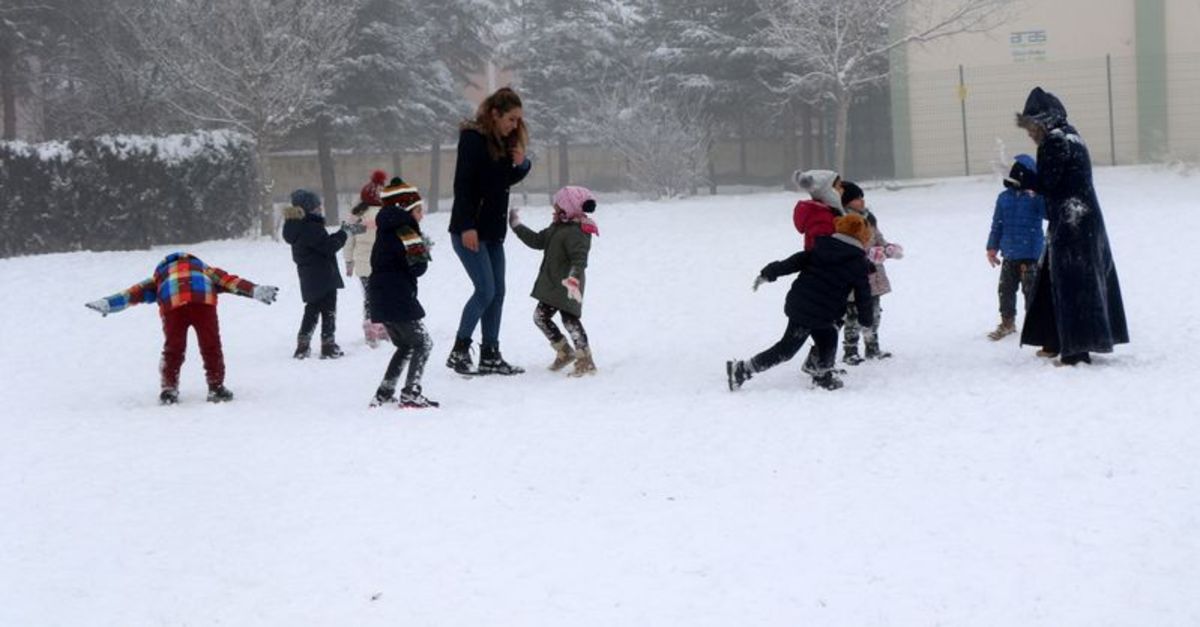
962, 101
1112, 134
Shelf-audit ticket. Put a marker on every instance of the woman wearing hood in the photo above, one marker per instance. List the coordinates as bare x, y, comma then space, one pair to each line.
1076, 308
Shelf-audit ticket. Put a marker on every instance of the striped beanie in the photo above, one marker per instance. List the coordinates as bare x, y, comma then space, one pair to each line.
400, 194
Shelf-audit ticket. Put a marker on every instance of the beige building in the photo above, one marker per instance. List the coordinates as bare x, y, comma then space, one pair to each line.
1128, 72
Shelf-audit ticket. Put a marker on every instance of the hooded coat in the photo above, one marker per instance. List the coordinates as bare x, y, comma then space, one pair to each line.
1077, 306
315, 252
814, 218
829, 272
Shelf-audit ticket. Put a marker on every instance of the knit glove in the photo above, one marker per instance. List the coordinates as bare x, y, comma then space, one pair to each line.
354, 228
759, 280
894, 251
876, 255
265, 293
514, 217
572, 285
99, 305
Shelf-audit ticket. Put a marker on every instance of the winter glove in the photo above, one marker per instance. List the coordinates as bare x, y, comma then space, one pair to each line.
759, 280
354, 228
349, 268
514, 218
265, 293
893, 251
572, 285
876, 255
99, 305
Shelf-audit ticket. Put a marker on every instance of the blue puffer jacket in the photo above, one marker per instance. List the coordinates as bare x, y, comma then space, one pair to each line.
1017, 225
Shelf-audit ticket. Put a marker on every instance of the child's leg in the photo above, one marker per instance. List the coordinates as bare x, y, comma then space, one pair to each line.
175, 327
783, 350
308, 322
391, 375
208, 334
1010, 278
851, 330
871, 334
578, 334
421, 345
825, 339
543, 317
366, 297
328, 308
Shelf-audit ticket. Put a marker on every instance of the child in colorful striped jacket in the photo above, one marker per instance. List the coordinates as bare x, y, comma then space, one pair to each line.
186, 289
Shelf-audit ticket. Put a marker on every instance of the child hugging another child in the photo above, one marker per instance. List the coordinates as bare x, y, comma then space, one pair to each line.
400, 255
560, 281
829, 271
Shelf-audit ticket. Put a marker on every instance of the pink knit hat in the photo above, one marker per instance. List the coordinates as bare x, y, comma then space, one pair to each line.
576, 202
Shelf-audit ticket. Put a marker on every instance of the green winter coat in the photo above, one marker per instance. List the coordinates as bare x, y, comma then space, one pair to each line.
566, 247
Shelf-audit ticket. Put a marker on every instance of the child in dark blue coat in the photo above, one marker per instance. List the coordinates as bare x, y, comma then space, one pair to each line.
315, 252
1016, 236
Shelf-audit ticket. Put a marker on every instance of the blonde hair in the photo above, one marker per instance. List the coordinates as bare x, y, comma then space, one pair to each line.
502, 100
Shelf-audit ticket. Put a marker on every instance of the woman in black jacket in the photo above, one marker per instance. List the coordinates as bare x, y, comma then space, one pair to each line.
491, 158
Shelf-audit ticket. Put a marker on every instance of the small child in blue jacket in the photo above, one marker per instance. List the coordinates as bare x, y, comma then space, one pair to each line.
1016, 236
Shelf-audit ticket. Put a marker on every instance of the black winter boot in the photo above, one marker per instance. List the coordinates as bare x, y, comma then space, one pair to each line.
738, 372
850, 354
460, 357
219, 394
303, 350
385, 395
330, 350
412, 398
827, 381
169, 396
873, 351
491, 362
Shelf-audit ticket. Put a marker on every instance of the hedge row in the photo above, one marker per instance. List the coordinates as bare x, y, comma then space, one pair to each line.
125, 192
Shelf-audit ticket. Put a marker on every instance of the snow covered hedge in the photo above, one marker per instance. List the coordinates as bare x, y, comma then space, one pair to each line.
124, 192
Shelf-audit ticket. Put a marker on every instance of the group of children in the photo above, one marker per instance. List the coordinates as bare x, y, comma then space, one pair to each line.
841, 279
383, 245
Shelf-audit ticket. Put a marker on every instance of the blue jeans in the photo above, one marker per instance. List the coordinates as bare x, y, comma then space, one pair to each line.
486, 270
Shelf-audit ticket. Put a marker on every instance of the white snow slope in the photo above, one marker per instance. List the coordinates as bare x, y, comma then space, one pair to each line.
963, 482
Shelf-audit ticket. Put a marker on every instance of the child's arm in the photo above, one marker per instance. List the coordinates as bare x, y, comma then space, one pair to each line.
232, 283
348, 250
791, 265
416, 250
144, 292
531, 238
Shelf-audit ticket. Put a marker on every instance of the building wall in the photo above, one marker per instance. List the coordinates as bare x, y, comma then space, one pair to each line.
1082, 51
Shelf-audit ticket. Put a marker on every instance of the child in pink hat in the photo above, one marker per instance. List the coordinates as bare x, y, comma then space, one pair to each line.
560, 282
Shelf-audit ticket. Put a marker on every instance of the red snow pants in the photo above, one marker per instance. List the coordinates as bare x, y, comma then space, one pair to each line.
175, 327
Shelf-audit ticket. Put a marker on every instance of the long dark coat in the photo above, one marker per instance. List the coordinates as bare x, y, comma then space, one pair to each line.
315, 252
481, 186
1077, 306
394, 272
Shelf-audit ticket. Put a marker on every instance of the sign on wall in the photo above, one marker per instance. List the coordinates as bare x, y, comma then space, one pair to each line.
1027, 45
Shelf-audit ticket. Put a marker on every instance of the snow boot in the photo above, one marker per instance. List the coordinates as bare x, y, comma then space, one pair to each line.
491, 362
303, 351
1074, 359
330, 350
219, 394
1007, 327
385, 395
583, 363
411, 398
850, 355
873, 351
738, 372
827, 381
460, 357
169, 396
1047, 353
564, 355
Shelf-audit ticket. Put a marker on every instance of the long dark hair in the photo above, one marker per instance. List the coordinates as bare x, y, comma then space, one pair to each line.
502, 100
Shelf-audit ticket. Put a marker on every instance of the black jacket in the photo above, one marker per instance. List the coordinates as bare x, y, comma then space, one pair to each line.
481, 187
315, 252
393, 282
836, 265
1078, 298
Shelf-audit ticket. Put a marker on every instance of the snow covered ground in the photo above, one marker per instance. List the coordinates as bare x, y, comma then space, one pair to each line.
963, 482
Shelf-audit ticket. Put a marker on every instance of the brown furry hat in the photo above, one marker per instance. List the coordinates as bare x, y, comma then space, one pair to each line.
854, 226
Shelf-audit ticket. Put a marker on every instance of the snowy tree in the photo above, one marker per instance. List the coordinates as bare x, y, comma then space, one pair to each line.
259, 66
23, 32
839, 48
566, 54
